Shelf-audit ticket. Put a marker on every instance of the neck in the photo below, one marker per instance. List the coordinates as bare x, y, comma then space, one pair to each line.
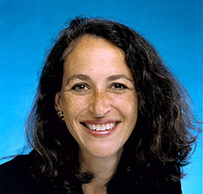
103, 170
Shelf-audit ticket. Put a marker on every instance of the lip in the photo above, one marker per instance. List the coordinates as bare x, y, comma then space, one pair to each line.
100, 134
100, 121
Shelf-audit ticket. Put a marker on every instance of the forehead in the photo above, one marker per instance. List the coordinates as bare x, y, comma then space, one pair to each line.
87, 42
95, 57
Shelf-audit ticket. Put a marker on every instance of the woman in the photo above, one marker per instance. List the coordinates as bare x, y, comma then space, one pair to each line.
108, 117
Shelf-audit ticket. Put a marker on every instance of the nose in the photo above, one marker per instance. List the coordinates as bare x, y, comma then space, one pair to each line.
99, 104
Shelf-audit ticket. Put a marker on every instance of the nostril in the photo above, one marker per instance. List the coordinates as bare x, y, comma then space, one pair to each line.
99, 104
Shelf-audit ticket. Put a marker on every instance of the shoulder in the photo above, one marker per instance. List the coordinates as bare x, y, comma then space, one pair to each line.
140, 180
15, 177
21, 175
158, 181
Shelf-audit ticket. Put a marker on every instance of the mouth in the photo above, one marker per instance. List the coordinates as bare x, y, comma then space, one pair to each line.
100, 127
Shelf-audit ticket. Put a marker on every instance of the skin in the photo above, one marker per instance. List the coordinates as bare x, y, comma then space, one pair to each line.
98, 88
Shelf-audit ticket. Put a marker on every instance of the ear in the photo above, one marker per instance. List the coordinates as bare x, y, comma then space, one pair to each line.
58, 103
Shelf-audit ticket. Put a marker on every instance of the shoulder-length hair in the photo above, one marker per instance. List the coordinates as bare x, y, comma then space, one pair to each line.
165, 120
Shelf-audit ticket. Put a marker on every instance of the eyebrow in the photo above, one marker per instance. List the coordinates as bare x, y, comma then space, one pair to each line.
110, 78
119, 76
78, 76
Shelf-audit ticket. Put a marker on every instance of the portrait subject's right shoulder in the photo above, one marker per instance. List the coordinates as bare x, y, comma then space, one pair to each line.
15, 177
4, 190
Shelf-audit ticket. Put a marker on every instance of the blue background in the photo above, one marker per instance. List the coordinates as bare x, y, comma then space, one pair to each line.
28, 26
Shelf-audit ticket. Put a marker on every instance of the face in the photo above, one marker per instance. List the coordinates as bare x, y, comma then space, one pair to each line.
98, 97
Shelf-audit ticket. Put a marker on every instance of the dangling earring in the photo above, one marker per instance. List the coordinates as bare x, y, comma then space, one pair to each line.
60, 115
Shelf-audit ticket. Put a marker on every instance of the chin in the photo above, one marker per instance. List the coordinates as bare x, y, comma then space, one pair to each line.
104, 152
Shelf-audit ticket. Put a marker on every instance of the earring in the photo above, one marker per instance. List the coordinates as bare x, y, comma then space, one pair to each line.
60, 115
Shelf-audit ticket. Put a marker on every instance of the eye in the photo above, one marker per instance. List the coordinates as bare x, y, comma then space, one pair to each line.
80, 87
119, 86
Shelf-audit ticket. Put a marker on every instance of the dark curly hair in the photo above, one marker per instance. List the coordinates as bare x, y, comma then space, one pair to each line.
162, 138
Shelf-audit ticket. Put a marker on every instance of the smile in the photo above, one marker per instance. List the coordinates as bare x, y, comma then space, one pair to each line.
100, 125
103, 127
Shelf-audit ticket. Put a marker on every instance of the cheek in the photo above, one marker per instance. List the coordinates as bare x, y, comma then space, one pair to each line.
128, 105
72, 108
73, 105
129, 110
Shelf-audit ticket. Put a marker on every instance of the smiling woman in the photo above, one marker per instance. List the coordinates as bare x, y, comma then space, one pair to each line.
99, 93
108, 117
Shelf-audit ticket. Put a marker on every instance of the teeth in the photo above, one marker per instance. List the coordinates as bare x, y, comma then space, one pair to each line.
93, 127
102, 127
98, 127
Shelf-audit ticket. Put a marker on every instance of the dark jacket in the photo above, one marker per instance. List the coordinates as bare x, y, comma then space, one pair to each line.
17, 177
14, 177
